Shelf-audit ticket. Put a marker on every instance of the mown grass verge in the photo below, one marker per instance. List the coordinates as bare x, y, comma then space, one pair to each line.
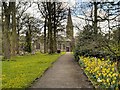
21, 71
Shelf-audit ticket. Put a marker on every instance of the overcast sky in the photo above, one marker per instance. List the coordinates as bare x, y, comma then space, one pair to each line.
76, 21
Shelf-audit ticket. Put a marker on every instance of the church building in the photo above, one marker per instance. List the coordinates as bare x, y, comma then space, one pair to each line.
67, 43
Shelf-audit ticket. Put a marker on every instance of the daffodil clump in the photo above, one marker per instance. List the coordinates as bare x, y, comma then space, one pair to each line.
102, 73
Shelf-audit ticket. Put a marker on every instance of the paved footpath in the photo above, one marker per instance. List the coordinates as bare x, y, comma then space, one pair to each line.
65, 73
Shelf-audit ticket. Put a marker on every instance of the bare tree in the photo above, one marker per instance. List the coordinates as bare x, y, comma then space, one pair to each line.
53, 13
21, 8
14, 33
6, 30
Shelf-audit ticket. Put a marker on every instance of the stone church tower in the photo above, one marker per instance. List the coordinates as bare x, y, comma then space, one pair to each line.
69, 27
69, 31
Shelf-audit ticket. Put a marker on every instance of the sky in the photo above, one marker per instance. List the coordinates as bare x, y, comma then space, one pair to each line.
79, 22
76, 21
34, 11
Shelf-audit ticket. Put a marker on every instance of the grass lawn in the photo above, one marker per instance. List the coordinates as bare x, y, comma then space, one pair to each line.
21, 71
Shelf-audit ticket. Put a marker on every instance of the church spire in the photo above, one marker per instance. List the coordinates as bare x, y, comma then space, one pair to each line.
69, 19
69, 27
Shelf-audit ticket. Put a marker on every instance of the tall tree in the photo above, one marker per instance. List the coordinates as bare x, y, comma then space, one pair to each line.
49, 8
21, 7
14, 33
6, 30
56, 12
55, 27
43, 10
45, 39
95, 17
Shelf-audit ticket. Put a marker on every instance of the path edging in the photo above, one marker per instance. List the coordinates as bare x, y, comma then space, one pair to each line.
36, 79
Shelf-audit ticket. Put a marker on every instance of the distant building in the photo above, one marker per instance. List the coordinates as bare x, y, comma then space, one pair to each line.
67, 43
64, 43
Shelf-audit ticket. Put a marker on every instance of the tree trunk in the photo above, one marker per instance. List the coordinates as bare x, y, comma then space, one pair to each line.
14, 34
45, 44
49, 5
6, 36
18, 34
47, 39
55, 44
28, 40
2, 30
95, 18
17, 43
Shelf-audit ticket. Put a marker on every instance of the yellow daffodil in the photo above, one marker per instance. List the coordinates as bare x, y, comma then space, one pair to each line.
103, 70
